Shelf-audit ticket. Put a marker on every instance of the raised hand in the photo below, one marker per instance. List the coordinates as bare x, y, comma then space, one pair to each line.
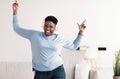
15, 7
81, 27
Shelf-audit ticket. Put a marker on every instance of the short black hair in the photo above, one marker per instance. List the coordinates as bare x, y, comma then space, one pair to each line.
51, 18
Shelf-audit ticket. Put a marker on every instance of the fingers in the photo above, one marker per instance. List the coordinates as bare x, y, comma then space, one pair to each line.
78, 24
15, 1
82, 25
83, 22
15, 6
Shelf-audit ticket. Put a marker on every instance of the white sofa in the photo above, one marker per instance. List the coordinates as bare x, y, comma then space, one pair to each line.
76, 67
104, 66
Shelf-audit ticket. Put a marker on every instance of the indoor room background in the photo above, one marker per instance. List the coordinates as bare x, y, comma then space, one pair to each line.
102, 24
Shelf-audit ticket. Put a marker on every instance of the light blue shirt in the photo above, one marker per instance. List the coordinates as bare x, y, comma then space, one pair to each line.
46, 50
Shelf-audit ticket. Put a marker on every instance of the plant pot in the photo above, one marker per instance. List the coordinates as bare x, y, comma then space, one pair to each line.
116, 77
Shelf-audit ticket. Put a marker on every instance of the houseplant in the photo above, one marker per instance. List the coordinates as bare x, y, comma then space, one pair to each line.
117, 66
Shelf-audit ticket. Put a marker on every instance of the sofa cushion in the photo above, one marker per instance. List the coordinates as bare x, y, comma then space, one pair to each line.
82, 70
101, 73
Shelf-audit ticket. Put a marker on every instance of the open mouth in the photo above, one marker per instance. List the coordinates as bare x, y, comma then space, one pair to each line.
47, 32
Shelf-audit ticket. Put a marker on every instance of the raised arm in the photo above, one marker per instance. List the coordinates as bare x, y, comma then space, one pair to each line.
17, 28
15, 7
75, 44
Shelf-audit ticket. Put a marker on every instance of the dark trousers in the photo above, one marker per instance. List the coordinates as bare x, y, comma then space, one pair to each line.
58, 73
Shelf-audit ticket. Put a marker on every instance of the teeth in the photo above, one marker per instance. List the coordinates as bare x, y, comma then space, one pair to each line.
47, 31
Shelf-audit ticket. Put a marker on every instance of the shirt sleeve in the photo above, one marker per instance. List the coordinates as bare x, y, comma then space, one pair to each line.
21, 31
73, 45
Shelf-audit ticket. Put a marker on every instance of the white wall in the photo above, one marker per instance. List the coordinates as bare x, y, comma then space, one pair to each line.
102, 21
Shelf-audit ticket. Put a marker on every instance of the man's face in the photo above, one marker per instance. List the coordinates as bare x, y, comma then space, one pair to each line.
49, 28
